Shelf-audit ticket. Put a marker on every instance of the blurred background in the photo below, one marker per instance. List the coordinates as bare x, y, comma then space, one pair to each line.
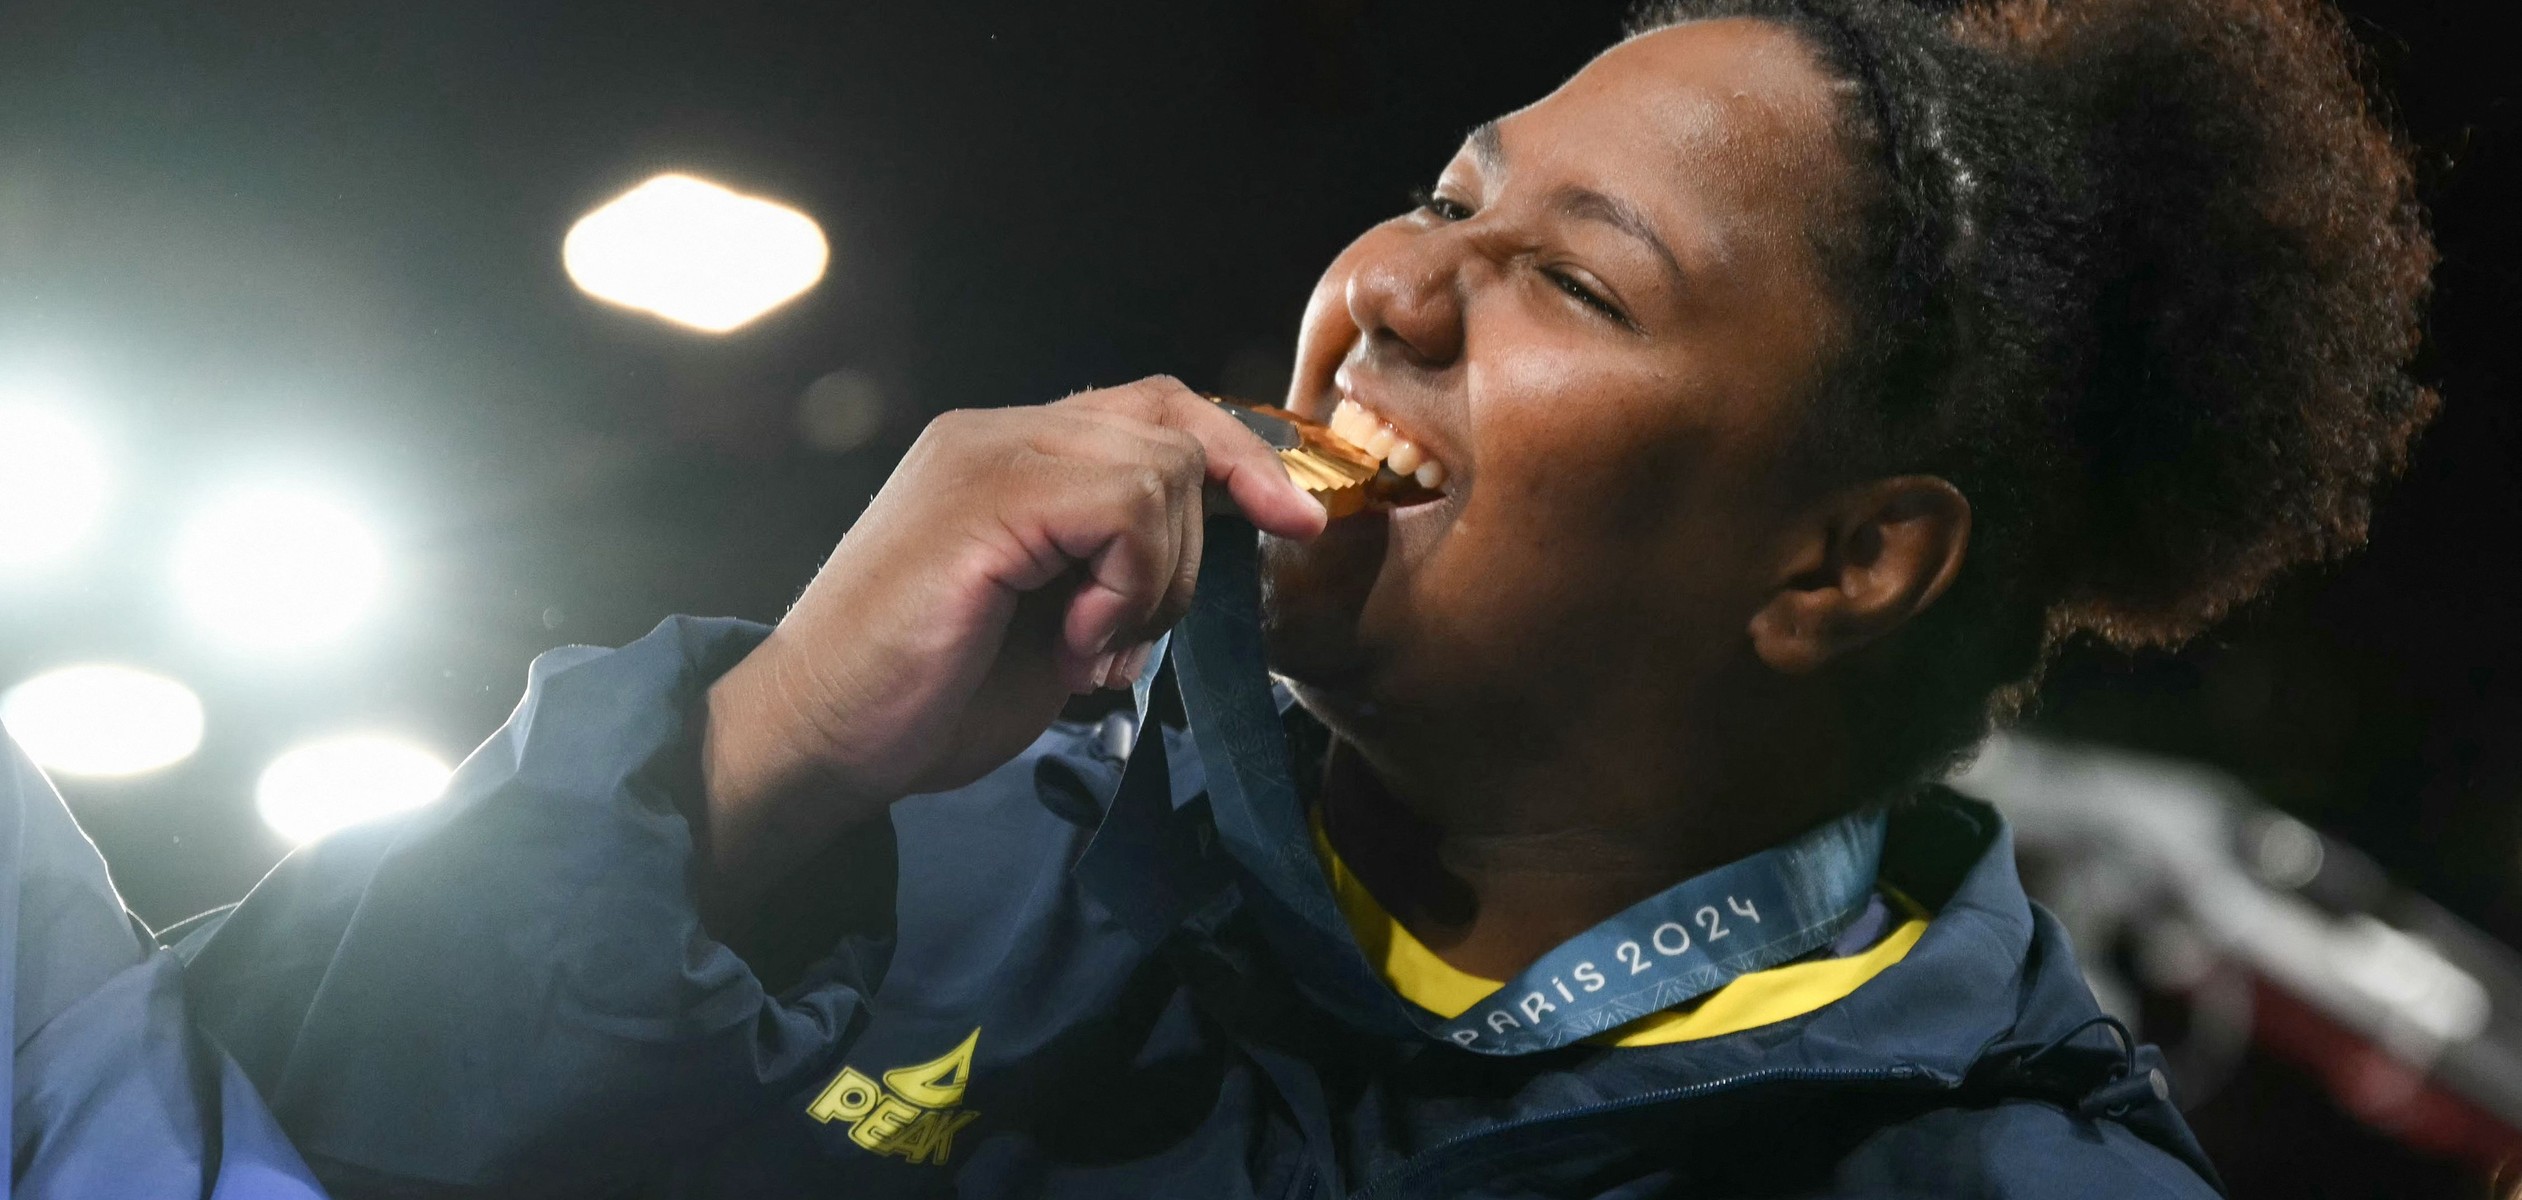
353, 353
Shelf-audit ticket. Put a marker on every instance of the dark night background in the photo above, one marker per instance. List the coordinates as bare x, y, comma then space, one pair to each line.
267, 236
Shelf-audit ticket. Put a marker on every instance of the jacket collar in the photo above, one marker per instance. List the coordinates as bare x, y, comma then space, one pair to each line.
1991, 984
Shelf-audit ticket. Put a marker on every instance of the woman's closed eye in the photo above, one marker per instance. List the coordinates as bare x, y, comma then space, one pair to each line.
1447, 209
1438, 205
1577, 289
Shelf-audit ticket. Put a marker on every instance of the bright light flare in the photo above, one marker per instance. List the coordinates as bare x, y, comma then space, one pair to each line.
695, 253
52, 486
327, 785
103, 720
278, 569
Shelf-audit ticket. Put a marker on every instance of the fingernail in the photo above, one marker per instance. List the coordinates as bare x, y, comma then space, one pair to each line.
1317, 504
1133, 665
1102, 676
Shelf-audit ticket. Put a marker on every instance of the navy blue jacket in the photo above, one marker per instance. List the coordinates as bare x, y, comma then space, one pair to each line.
511, 994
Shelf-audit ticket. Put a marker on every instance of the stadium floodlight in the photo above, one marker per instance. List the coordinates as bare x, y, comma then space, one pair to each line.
52, 486
326, 785
278, 568
695, 253
103, 720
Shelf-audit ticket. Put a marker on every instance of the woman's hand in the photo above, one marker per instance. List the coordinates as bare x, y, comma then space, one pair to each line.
1016, 557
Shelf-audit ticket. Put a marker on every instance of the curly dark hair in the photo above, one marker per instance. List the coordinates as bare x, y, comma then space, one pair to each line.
2142, 278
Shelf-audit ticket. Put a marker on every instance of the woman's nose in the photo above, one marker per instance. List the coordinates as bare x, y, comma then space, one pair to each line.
1407, 302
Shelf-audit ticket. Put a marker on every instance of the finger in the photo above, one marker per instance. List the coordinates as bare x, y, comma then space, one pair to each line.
1245, 468
1185, 459
1125, 525
1176, 600
1129, 666
1098, 615
1069, 483
1238, 459
1215, 497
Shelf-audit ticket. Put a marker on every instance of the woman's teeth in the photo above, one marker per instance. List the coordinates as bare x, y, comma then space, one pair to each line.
1353, 424
1377, 437
1379, 441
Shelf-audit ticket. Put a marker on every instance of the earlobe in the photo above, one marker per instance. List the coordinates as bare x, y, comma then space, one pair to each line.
1870, 558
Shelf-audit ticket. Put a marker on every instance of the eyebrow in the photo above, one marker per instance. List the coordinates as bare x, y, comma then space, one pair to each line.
1488, 147
1586, 204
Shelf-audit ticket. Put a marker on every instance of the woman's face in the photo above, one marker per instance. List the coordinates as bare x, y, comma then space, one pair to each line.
1601, 326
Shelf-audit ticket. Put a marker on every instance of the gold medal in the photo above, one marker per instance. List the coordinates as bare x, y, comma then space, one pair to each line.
1345, 477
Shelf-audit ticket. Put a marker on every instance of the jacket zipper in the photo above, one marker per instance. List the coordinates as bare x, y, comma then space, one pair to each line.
1419, 1165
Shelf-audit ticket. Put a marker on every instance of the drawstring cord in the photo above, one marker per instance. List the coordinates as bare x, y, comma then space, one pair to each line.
2126, 1088
2127, 1042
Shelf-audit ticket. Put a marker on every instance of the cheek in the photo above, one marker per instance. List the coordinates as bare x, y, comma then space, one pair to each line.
1613, 442
1570, 433
1613, 496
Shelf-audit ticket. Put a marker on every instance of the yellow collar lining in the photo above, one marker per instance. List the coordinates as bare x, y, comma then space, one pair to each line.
1752, 1000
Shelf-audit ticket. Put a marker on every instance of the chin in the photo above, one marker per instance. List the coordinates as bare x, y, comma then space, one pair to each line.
1314, 598
1311, 640
1326, 614
1344, 621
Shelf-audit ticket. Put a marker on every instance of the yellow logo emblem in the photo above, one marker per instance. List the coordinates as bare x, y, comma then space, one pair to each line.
912, 1114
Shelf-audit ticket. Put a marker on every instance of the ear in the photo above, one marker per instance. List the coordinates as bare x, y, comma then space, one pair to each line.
1864, 560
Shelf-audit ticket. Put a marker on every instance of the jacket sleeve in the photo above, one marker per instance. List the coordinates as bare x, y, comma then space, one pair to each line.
511, 992
110, 1092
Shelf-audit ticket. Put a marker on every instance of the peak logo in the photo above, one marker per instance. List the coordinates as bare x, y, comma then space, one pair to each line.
912, 1113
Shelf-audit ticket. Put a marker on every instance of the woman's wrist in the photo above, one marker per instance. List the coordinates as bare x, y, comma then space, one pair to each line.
770, 799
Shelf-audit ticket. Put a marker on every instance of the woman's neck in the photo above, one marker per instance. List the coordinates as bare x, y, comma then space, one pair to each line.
1493, 860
